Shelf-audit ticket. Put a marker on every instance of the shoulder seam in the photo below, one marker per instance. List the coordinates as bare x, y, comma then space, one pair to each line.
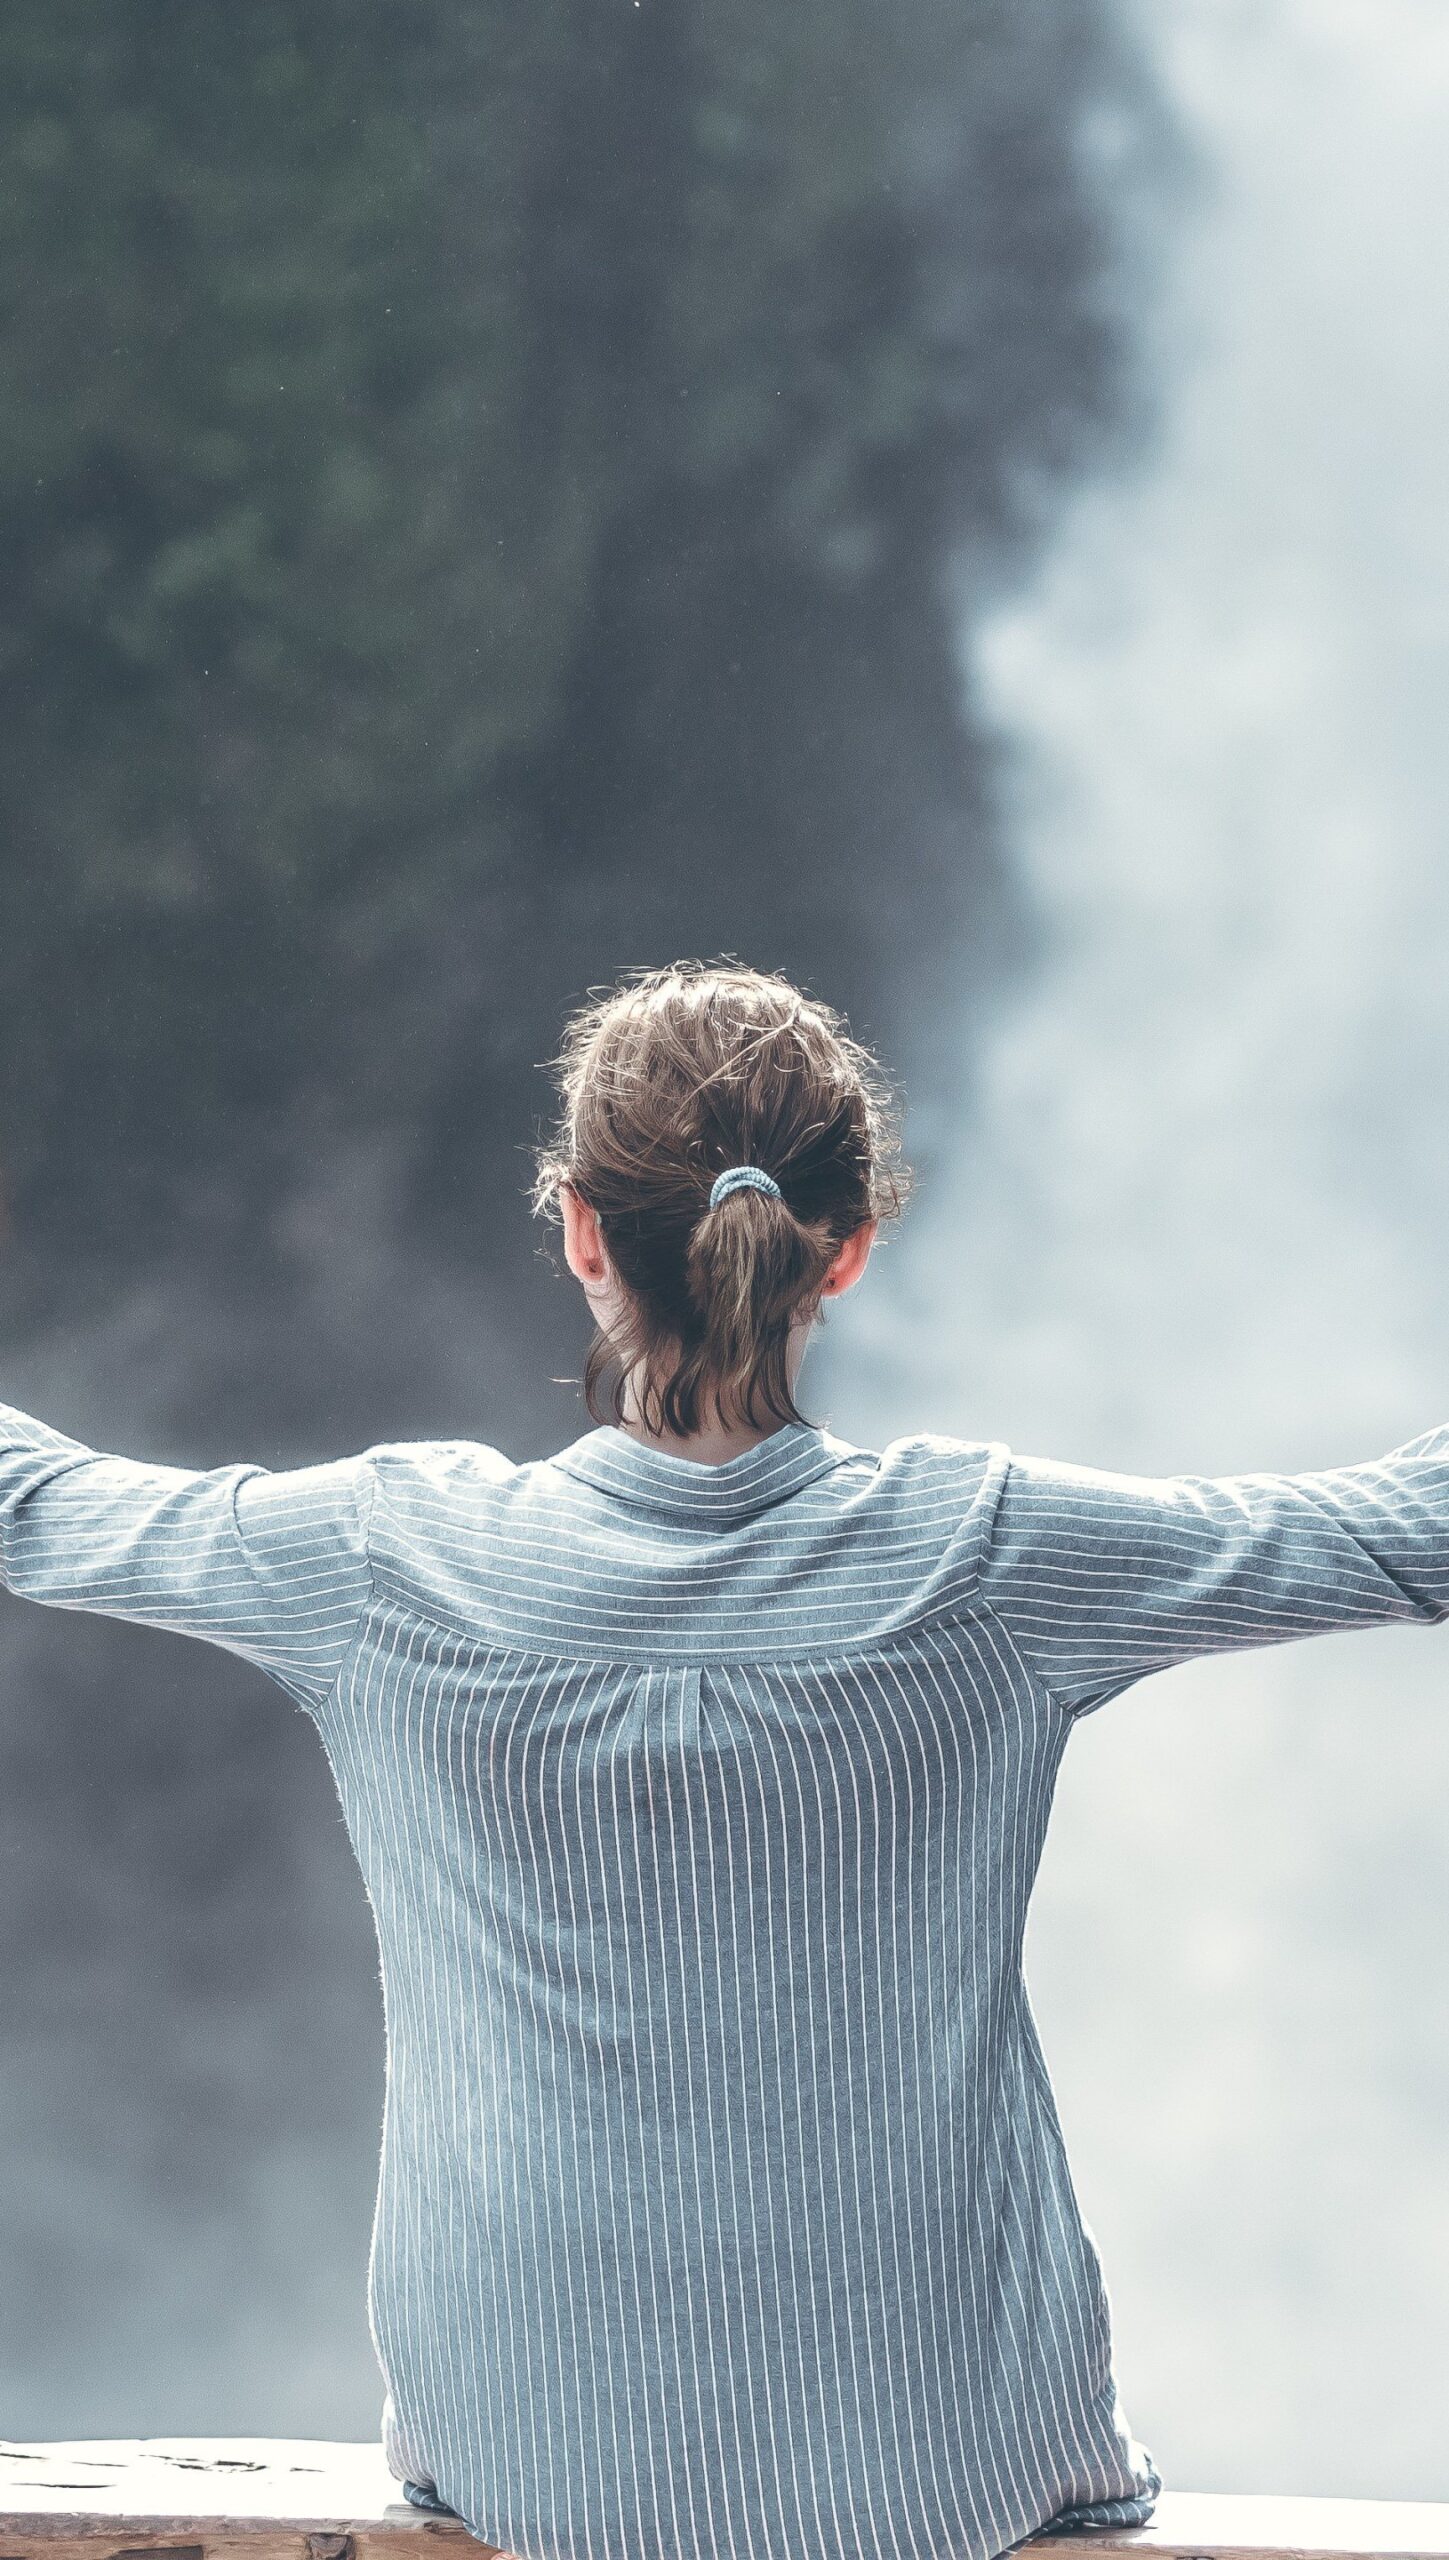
989, 1609
368, 1602
988, 1531
365, 1523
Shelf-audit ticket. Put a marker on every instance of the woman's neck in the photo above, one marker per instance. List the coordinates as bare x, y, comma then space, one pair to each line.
714, 1443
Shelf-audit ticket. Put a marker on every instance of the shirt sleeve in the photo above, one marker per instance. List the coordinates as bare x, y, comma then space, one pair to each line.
270, 1565
1103, 1577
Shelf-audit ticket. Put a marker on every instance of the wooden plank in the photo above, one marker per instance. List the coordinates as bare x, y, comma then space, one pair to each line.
211, 2498
1189, 2522
265, 2498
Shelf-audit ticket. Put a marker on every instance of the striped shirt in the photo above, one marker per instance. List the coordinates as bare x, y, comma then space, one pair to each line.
723, 2204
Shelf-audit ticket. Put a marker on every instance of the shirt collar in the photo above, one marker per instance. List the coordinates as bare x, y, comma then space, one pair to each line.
689, 1491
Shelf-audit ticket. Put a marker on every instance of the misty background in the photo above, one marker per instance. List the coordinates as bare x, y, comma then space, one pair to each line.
946, 501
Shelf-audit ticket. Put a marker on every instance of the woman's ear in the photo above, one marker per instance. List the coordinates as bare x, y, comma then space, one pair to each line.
850, 1261
583, 1244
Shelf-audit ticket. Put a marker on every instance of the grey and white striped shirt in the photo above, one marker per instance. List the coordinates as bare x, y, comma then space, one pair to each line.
723, 2204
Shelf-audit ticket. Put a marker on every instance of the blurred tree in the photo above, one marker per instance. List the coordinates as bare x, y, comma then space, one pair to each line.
478, 488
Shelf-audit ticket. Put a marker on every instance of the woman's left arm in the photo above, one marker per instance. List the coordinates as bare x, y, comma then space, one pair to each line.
270, 1565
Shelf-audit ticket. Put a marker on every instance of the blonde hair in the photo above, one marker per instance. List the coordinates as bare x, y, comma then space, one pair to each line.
667, 1079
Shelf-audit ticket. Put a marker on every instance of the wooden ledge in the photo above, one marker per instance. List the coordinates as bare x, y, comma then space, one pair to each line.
264, 2498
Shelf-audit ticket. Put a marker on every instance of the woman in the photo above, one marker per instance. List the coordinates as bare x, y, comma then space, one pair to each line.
698, 1776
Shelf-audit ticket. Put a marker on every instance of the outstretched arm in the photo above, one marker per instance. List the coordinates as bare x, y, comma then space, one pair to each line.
269, 1565
1103, 1577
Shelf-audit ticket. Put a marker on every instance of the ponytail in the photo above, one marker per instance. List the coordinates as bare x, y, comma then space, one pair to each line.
667, 1081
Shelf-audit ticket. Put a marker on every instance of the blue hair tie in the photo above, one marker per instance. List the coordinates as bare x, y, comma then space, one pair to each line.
742, 1177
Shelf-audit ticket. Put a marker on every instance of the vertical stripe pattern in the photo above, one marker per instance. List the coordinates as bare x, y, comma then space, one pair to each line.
723, 2205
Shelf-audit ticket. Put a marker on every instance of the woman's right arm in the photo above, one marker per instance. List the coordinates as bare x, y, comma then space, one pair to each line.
1103, 1577
270, 1565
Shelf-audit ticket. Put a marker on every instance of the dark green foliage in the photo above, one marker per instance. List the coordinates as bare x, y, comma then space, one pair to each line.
477, 490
